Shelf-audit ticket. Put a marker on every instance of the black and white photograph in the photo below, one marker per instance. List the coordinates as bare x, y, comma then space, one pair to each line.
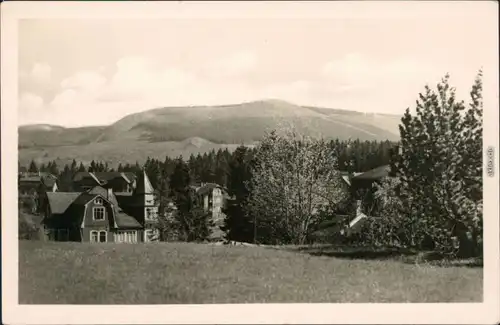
337, 156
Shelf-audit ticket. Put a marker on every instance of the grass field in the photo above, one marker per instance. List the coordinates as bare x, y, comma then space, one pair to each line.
168, 273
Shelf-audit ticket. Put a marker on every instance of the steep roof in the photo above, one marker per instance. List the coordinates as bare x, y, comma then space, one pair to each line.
144, 185
84, 198
374, 174
125, 221
81, 175
108, 195
59, 202
104, 177
208, 187
46, 178
30, 179
98, 190
107, 176
49, 180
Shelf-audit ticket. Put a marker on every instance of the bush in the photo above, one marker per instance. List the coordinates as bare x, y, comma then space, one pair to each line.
28, 228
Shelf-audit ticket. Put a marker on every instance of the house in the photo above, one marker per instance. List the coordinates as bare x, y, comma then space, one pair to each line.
212, 198
34, 186
100, 215
31, 183
118, 181
362, 189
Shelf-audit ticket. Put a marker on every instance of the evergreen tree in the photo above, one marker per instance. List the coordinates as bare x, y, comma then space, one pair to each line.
238, 224
33, 167
74, 166
81, 168
53, 169
435, 166
93, 167
66, 180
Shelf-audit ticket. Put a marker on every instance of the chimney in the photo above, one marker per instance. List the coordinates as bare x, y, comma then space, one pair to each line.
110, 192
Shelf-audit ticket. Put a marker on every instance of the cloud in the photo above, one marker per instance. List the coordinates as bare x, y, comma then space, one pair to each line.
85, 81
41, 73
385, 85
139, 78
65, 99
236, 64
30, 102
30, 107
356, 70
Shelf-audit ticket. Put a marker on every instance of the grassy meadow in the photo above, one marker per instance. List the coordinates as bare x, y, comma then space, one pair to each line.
182, 273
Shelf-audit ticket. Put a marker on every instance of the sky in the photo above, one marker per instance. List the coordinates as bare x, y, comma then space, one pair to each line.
78, 72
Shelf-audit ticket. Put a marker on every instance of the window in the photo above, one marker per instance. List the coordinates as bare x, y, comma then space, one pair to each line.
128, 236
98, 201
103, 236
98, 236
98, 213
150, 215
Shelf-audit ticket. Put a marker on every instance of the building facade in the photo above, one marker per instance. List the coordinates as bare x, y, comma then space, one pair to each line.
99, 214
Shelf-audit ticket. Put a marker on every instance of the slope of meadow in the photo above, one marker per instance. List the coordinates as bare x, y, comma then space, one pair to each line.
171, 273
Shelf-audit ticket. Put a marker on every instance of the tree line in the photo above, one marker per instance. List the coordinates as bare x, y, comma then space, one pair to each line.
214, 166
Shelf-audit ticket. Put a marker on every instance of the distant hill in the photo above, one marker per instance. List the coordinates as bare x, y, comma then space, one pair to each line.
184, 130
42, 135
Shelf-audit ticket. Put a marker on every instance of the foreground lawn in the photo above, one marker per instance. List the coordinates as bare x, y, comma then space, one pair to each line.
168, 273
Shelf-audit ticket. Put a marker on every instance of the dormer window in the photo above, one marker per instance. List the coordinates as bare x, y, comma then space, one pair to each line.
98, 201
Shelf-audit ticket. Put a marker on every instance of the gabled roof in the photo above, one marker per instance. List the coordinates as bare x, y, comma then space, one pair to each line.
82, 175
107, 195
49, 181
98, 190
144, 185
45, 178
107, 176
84, 198
104, 177
59, 202
346, 179
374, 174
208, 187
125, 221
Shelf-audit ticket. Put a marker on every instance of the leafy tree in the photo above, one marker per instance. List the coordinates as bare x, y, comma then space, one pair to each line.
293, 179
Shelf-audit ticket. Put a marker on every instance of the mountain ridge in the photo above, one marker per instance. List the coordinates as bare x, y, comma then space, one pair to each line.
191, 129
